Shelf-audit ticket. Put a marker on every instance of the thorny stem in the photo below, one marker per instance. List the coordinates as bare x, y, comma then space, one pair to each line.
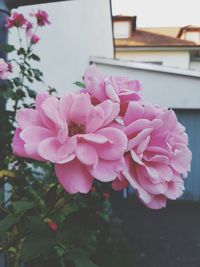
22, 72
12, 242
22, 75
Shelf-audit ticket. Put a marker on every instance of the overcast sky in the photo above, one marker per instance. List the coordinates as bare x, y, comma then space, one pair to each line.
160, 12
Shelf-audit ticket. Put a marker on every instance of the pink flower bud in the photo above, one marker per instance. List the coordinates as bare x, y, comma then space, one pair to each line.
29, 26
35, 39
53, 226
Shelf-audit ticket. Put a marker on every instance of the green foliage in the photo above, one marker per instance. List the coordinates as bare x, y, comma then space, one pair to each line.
34, 57
21, 51
35, 246
81, 258
21, 206
37, 74
80, 84
8, 222
8, 48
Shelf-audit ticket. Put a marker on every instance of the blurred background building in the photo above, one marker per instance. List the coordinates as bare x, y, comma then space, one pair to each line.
173, 46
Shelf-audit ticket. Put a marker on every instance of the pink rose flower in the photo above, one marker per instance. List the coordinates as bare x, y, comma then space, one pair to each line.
74, 135
4, 69
118, 89
15, 20
157, 156
42, 17
35, 39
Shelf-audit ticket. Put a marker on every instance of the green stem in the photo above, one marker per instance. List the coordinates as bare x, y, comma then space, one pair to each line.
22, 75
19, 37
5, 210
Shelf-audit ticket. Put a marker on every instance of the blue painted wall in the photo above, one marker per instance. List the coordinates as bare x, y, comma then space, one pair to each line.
2, 264
191, 120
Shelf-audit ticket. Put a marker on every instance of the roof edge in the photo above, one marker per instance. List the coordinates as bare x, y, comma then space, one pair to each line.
145, 66
157, 48
17, 3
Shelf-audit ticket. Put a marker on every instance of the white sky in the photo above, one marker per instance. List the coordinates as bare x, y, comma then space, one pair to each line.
157, 13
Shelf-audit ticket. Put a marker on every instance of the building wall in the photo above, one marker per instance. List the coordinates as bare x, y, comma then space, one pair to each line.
195, 65
79, 29
178, 59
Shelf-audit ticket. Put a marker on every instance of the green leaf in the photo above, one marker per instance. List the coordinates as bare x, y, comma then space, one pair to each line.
81, 258
9, 84
34, 57
37, 225
7, 222
1, 196
30, 73
8, 48
37, 74
17, 81
35, 246
29, 79
70, 209
21, 51
79, 84
19, 206
23, 68
31, 93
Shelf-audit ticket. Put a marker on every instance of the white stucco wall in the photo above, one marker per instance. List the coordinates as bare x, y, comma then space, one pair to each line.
195, 65
178, 59
164, 86
79, 29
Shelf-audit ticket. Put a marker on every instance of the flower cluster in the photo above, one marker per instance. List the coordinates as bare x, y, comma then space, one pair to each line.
107, 132
5, 69
16, 20
20, 22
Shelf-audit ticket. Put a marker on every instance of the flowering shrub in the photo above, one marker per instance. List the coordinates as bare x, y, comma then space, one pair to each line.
120, 138
77, 143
